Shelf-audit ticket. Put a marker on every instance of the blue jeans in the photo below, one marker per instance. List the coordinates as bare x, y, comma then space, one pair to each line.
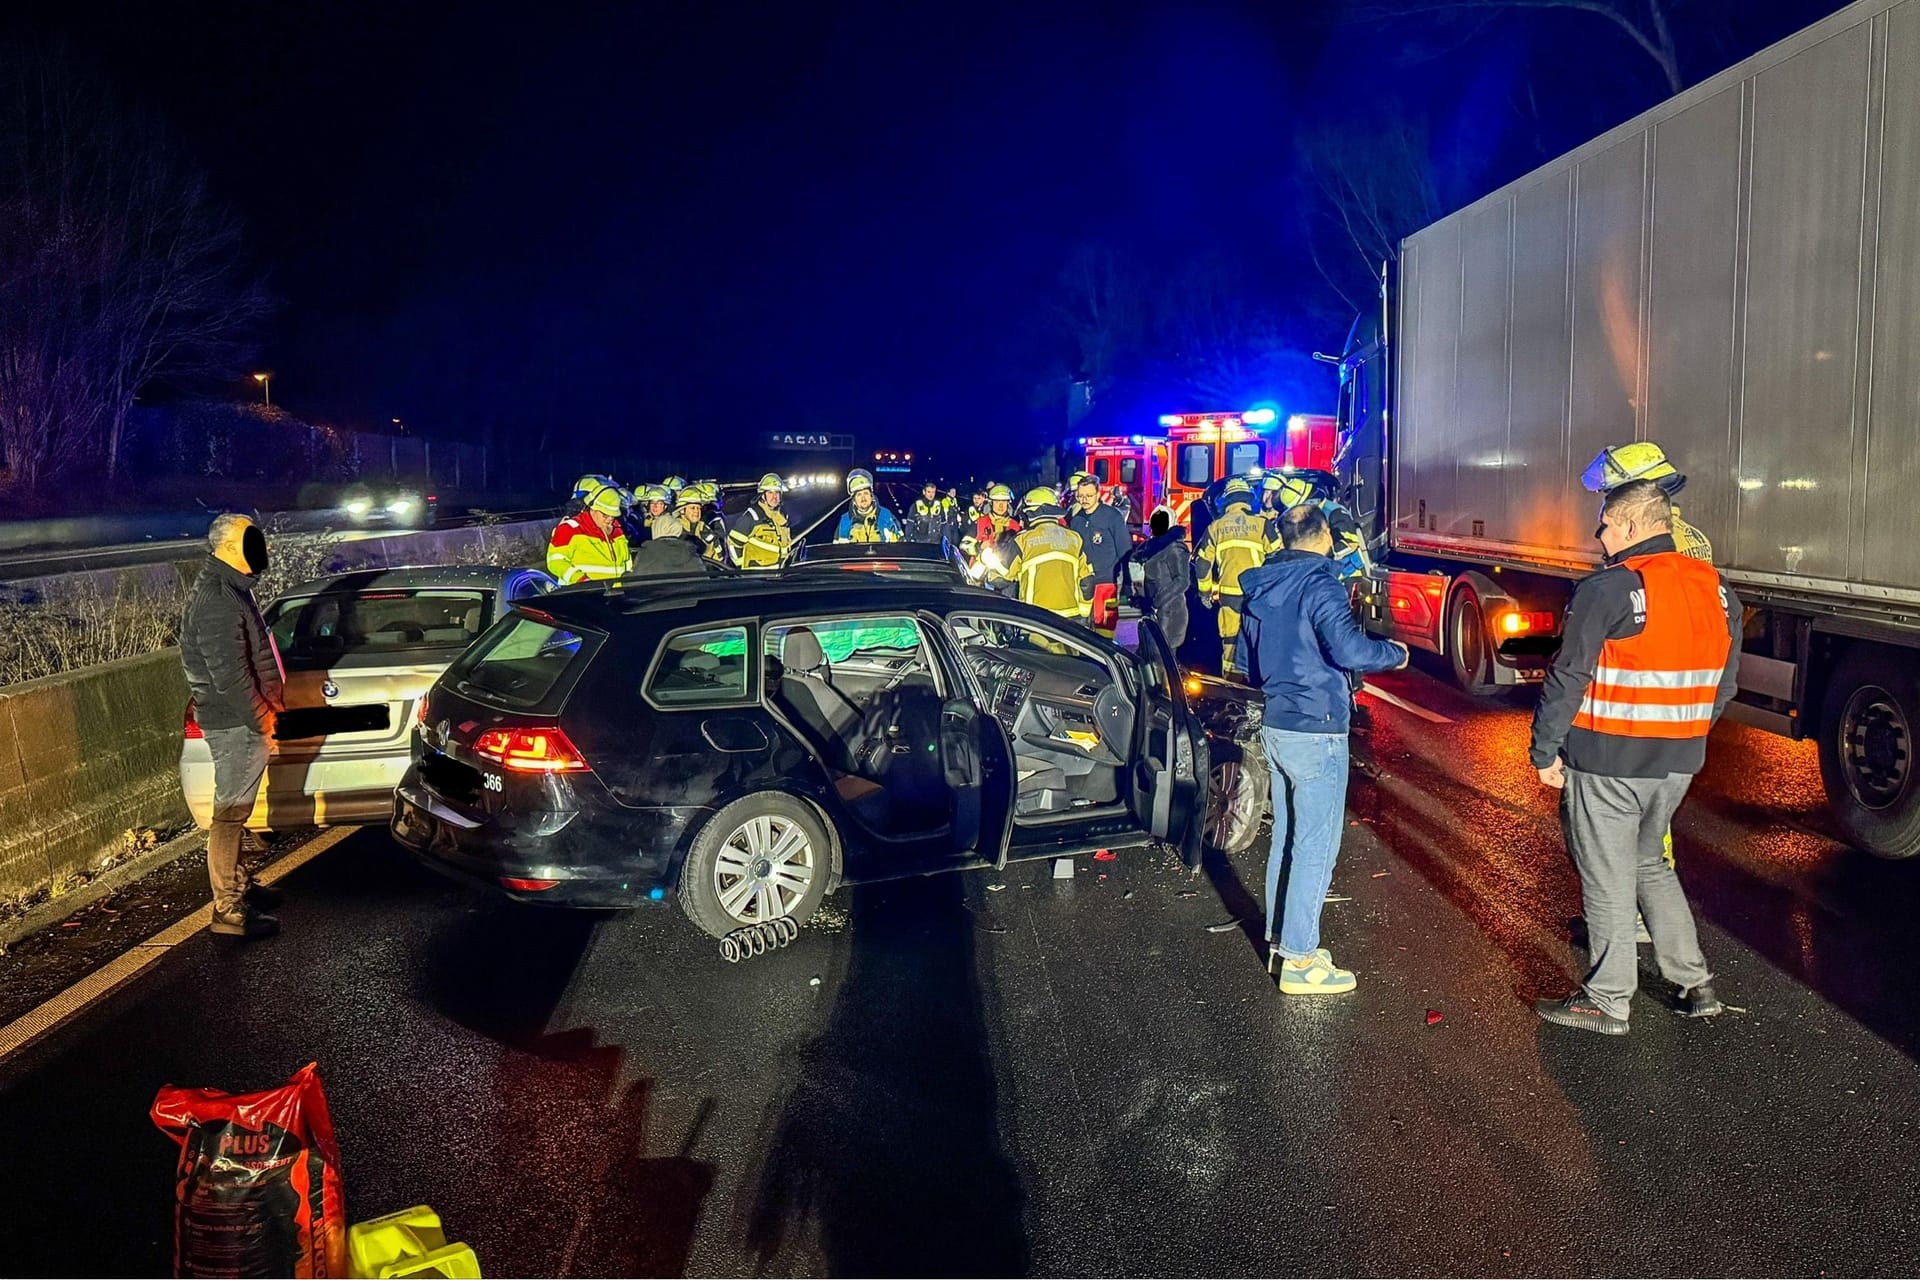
1309, 801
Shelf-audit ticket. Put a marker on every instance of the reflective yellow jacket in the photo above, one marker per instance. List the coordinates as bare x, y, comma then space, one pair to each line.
579, 552
1051, 570
1236, 542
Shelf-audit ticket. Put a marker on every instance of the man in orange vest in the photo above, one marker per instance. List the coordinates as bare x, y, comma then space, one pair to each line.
1648, 661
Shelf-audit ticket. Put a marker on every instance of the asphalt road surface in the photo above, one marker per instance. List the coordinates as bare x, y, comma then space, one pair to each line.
1003, 1074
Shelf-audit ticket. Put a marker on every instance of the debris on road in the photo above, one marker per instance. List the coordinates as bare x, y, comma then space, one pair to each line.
1224, 926
814, 981
1381, 875
1334, 897
995, 887
1188, 893
1063, 868
1104, 855
1434, 1017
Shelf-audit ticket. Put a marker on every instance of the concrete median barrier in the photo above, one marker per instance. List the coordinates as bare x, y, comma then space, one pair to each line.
84, 758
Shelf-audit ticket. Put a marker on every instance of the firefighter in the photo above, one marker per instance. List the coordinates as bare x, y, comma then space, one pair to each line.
998, 517
865, 519
1236, 541
927, 518
657, 502
583, 490
1624, 463
760, 538
1350, 558
711, 534
590, 546
1049, 567
673, 485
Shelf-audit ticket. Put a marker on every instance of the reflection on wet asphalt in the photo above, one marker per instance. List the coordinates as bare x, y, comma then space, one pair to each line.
1007, 1073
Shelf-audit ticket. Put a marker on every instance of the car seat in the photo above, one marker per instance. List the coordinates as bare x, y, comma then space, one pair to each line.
807, 693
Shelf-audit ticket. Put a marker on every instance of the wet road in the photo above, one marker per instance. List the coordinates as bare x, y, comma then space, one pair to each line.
1062, 1076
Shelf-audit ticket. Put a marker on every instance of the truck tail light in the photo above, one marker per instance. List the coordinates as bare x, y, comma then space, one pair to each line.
1524, 624
520, 885
530, 750
190, 725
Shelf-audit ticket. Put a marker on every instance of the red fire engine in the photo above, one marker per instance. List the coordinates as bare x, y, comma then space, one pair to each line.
1136, 464
1312, 441
1211, 446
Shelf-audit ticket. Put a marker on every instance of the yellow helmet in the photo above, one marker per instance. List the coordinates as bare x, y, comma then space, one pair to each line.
1042, 503
674, 484
1271, 482
605, 500
696, 495
1295, 490
1080, 478
655, 493
1238, 487
857, 481
1000, 493
771, 483
1624, 463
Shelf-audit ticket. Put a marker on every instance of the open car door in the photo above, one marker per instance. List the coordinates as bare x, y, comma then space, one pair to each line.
976, 759
1169, 751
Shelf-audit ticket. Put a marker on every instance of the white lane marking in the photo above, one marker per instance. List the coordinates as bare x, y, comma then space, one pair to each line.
1431, 717
110, 977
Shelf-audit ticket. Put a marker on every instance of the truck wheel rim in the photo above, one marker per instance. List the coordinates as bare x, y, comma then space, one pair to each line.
1876, 746
764, 869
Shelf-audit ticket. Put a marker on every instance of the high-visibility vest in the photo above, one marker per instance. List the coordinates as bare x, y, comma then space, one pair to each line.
1049, 569
1663, 682
760, 539
1689, 541
1236, 542
579, 552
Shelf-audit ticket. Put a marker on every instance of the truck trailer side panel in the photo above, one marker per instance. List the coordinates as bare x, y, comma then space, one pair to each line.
1735, 274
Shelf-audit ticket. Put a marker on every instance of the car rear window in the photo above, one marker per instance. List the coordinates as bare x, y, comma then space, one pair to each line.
700, 668
522, 662
336, 624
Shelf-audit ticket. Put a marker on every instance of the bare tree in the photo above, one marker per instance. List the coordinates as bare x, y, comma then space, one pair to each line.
1373, 187
1644, 22
116, 268
1104, 308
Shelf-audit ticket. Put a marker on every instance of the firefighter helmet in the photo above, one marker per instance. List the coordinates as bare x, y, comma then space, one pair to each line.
1237, 490
1043, 504
607, 500
858, 480
1271, 481
586, 486
1080, 478
1624, 463
697, 495
1294, 490
674, 484
655, 493
1000, 493
771, 483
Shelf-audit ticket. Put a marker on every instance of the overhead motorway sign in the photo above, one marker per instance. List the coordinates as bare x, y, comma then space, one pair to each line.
808, 440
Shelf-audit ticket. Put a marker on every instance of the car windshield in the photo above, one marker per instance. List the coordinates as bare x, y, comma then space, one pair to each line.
519, 665
336, 624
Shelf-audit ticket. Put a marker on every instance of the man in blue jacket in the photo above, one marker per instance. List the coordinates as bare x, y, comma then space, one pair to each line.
1298, 641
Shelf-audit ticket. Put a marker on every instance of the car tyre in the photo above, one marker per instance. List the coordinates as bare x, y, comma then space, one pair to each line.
762, 858
1869, 722
1238, 787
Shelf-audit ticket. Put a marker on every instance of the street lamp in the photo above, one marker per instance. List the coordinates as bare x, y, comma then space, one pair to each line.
266, 391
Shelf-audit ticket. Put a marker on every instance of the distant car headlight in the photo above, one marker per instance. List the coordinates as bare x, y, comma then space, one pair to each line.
400, 506
359, 507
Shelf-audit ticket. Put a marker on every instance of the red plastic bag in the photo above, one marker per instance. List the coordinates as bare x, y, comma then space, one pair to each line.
257, 1188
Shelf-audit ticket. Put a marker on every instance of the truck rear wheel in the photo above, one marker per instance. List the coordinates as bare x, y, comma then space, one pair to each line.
1468, 648
1868, 722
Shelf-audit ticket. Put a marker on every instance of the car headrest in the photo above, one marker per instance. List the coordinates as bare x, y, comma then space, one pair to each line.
801, 650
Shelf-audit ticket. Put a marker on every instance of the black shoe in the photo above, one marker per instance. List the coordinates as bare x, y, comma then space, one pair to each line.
244, 924
1700, 1002
1578, 1011
264, 896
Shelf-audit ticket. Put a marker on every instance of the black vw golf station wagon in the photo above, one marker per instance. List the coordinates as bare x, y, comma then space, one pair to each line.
746, 744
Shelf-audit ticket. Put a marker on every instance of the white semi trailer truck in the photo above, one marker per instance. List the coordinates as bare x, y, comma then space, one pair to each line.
1735, 275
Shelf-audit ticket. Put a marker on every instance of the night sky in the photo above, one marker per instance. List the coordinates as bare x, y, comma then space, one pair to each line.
657, 220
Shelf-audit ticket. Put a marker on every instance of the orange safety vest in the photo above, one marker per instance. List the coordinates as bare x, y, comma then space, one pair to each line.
1662, 683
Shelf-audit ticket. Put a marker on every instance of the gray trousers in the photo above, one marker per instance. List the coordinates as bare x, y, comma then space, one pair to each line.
1616, 830
239, 762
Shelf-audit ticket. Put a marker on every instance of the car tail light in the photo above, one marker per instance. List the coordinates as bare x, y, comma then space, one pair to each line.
420, 716
190, 728
530, 750
526, 886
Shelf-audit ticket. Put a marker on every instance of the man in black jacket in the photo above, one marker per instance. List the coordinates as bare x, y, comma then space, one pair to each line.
1160, 572
234, 676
